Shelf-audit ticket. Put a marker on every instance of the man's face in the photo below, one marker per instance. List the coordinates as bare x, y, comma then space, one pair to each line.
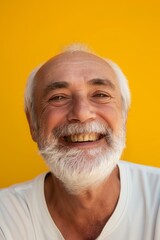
74, 91
77, 87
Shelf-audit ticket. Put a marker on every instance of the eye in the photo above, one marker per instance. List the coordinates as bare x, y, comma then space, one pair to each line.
101, 97
58, 100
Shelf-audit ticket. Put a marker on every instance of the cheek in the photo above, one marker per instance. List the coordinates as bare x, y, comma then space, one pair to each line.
50, 119
112, 116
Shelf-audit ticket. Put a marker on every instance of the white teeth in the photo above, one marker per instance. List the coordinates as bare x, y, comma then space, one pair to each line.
83, 137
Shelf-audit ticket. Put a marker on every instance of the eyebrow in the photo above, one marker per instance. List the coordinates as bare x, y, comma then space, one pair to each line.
104, 82
55, 85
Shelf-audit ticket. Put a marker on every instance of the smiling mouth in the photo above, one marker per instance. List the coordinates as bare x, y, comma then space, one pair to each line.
83, 137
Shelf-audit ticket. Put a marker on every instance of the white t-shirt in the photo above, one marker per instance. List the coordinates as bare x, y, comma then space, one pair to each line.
24, 214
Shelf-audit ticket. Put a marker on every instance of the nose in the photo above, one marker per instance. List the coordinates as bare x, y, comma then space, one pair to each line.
81, 111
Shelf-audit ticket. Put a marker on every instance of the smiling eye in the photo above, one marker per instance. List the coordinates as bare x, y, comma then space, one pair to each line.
57, 98
101, 95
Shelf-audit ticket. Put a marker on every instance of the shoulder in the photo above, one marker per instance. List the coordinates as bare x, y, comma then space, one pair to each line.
140, 169
19, 192
17, 198
145, 179
17, 204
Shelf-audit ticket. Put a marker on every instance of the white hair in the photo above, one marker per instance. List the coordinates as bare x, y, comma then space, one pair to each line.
123, 84
121, 78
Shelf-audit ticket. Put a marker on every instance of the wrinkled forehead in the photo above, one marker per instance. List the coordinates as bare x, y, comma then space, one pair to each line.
75, 61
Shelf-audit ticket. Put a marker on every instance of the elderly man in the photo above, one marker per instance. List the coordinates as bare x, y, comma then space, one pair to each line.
76, 105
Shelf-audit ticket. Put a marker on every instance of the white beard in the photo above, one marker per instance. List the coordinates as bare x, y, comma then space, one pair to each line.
80, 169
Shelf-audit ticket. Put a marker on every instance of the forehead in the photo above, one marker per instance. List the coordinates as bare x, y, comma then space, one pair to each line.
72, 66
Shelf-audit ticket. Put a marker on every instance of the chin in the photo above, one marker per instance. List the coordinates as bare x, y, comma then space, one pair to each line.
79, 170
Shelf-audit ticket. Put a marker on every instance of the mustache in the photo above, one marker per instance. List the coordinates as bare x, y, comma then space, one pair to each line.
79, 128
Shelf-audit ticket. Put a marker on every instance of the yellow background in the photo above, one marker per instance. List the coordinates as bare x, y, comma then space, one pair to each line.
32, 31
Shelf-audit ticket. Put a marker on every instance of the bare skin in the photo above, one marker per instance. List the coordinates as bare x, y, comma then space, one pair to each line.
78, 87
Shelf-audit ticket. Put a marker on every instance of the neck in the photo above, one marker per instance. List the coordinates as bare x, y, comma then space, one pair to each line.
92, 207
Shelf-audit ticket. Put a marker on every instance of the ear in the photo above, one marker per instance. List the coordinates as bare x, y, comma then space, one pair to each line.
31, 127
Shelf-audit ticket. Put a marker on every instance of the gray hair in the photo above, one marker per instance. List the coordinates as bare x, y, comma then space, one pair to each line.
122, 80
